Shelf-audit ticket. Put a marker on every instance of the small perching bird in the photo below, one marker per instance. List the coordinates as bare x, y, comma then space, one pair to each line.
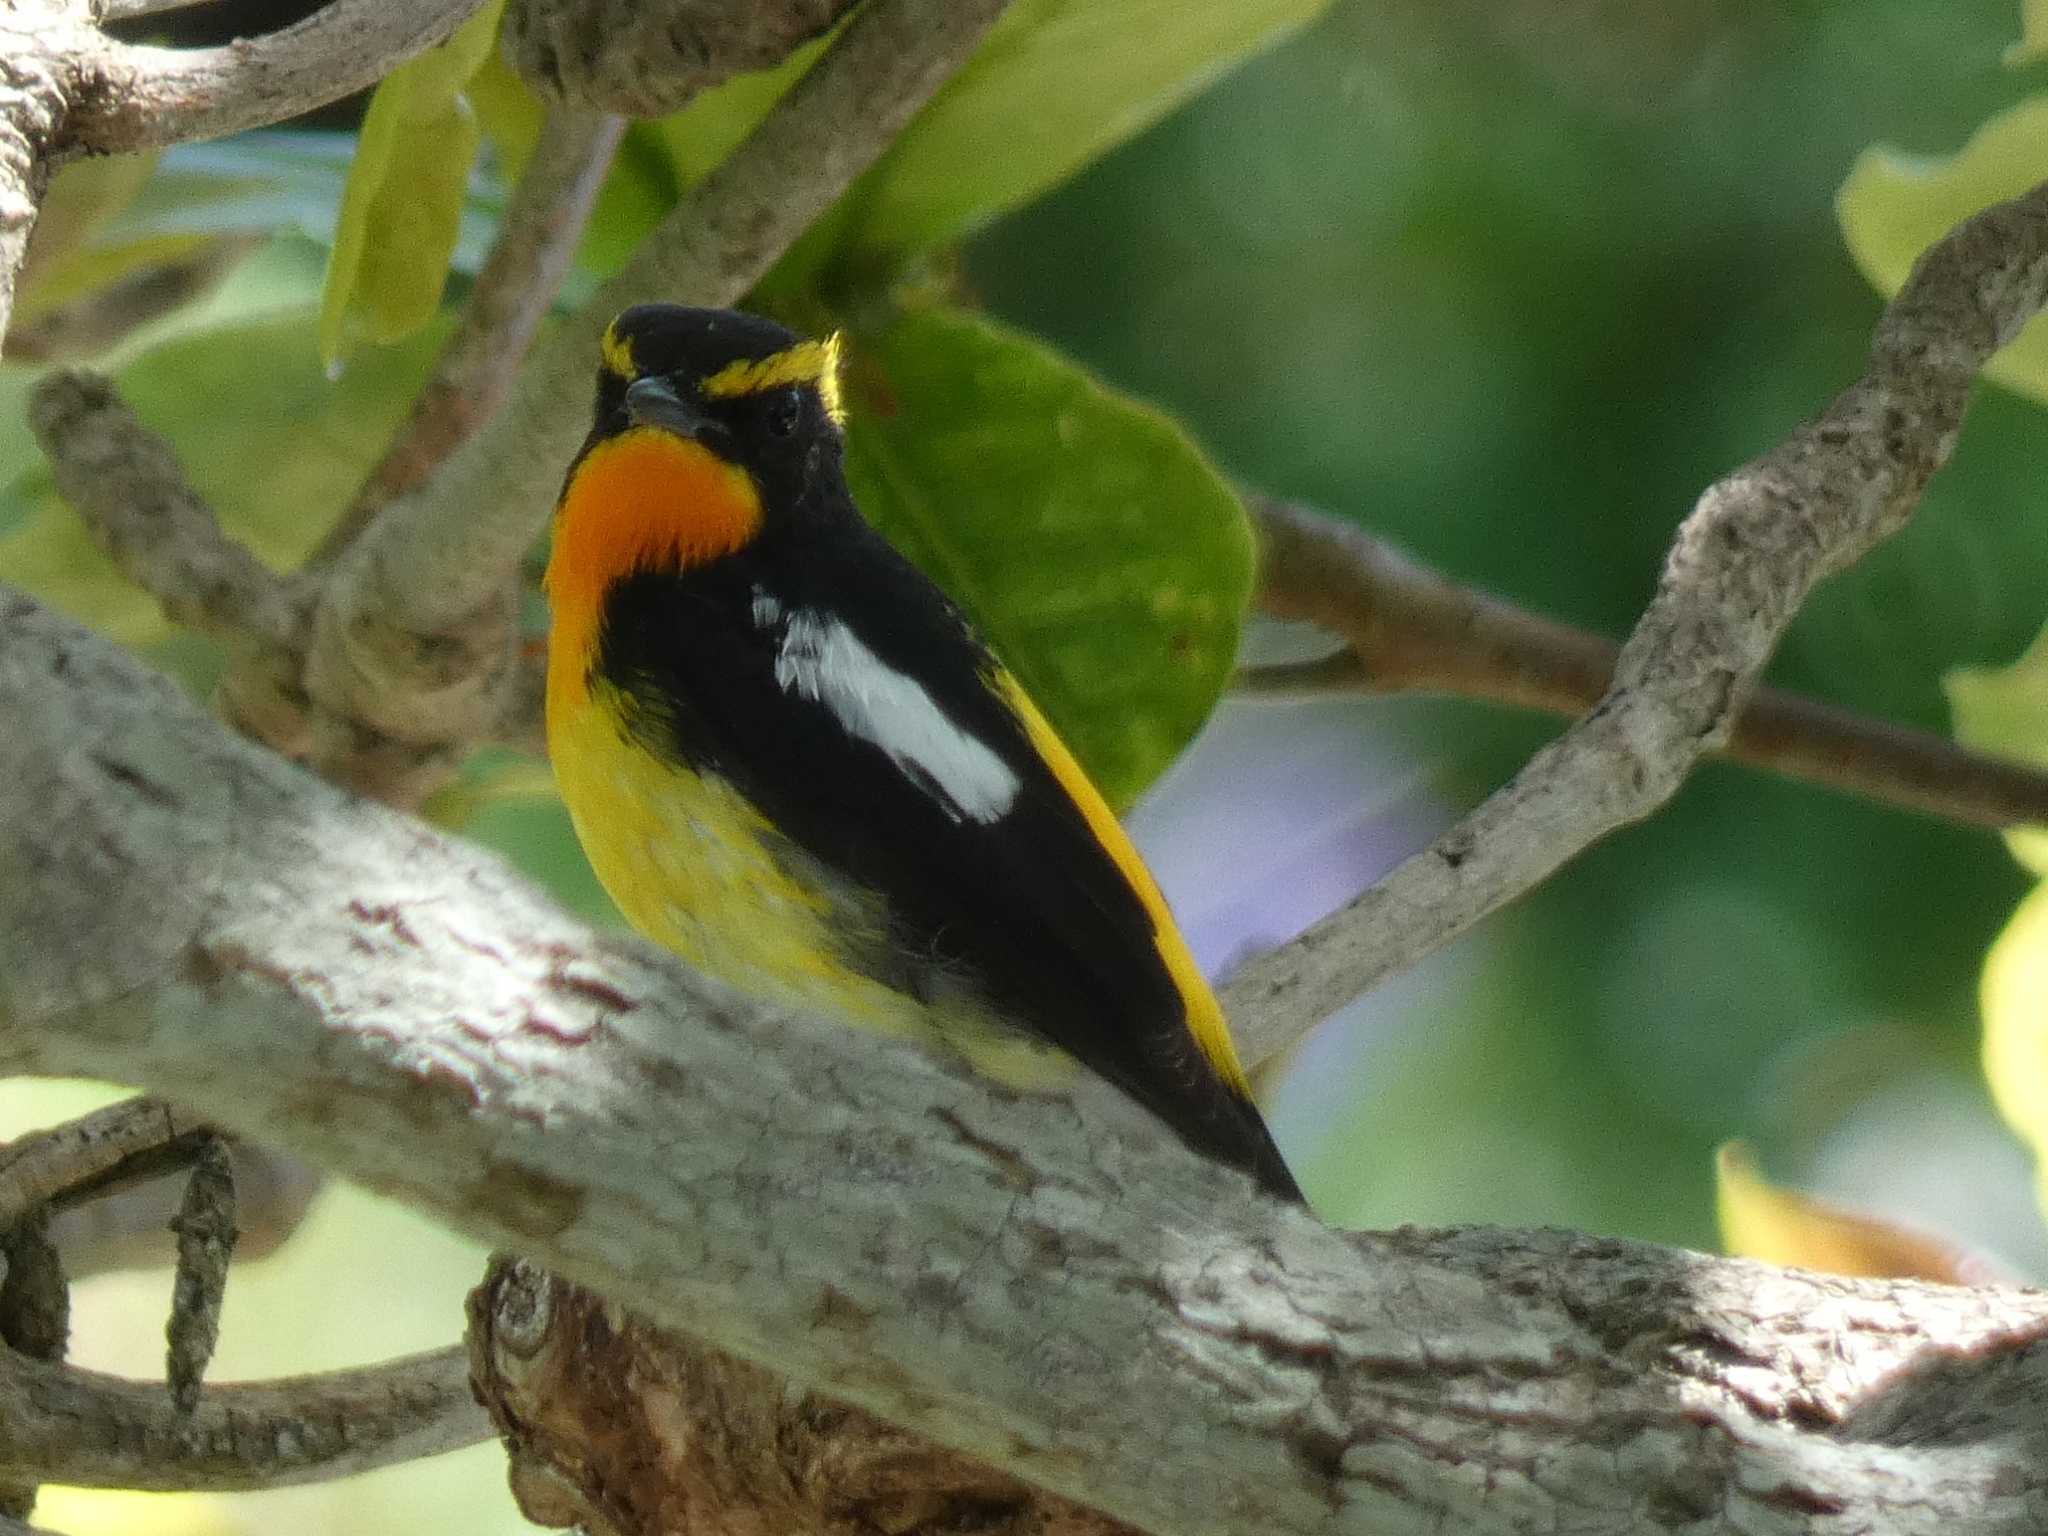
792, 760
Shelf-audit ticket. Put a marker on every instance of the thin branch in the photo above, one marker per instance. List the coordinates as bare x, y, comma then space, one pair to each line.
86, 1154
1741, 565
535, 244
425, 599
127, 486
89, 1430
37, 40
1410, 630
130, 10
135, 97
205, 1227
970, 1262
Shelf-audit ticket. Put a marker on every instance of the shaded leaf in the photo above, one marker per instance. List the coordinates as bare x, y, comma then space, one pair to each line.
1056, 83
82, 196
1894, 205
402, 210
274, 445
1102, 555
1761, 1220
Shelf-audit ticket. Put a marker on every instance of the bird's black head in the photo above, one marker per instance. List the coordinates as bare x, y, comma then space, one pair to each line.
752, 392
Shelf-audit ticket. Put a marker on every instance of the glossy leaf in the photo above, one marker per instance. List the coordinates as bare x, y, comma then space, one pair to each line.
2004, 711
273, 444
1762, 1220
1894, 205
1057, 83
402, 210
1103, 556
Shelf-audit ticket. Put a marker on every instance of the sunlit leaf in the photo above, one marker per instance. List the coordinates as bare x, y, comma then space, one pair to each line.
2014, 998
1103, 556
697, 138
1056, 83
273, 444
2033, 43
1762, 1220
402, 210
1894, 205
2004, 711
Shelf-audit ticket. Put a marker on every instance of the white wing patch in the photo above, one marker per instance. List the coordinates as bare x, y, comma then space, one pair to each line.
823, 660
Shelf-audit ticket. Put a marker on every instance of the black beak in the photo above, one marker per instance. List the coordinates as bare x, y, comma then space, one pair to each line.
653, 402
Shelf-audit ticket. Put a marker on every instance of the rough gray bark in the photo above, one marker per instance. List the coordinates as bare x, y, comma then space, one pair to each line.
1048, 1283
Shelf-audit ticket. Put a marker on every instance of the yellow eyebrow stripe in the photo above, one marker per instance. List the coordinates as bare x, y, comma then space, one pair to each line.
808, 362
617, 352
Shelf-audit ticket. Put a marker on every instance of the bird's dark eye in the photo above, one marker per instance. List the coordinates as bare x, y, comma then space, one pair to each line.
783, 411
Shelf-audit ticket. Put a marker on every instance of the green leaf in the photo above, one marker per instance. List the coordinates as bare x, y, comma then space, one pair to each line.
700, 136
268, 439
2014, 999
1894, 205
1104, 558
2004, 711
82, 197
1056, 84
2033, 43
402, 211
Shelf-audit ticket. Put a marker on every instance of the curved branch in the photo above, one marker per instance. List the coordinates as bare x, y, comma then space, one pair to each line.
1742, 563
1047, 1282
135, 97
65, 1425
1408, 629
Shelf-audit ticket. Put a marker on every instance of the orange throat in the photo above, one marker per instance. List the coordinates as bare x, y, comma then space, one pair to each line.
643, 500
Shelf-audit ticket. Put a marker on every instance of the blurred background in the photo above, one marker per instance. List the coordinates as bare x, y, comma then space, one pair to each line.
1509, 282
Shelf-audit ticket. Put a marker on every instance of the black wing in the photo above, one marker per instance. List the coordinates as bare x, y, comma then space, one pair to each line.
1027, 902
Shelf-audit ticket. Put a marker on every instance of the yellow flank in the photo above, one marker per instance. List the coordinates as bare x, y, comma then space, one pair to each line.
644, 500
808, 362
1204, 1014
696, 868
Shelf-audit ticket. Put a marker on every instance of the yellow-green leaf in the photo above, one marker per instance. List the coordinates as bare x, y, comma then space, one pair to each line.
1055, 84
2004, 711
402, 209
700, 136
274, 445
1761, 1220
1104, 558
1894, 205
2015, 1005
2033, 43
81, 198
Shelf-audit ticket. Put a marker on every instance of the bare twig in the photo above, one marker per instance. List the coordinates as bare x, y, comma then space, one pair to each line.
414, 635
536, 241
35, 1324
127, 485
84, 1154
130, 97
1742, 563
85, 1429
885, 1226
1409, 630
205, 1226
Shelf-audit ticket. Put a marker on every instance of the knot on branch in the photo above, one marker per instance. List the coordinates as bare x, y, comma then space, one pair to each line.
647, 58
616, 1425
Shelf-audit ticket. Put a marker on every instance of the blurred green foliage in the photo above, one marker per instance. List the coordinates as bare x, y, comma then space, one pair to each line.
1511, 283
1506, 281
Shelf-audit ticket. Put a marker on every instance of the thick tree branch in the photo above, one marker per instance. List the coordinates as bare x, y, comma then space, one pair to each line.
414, 635
132, 97
1741, 565
1047, 1282
1408, 629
